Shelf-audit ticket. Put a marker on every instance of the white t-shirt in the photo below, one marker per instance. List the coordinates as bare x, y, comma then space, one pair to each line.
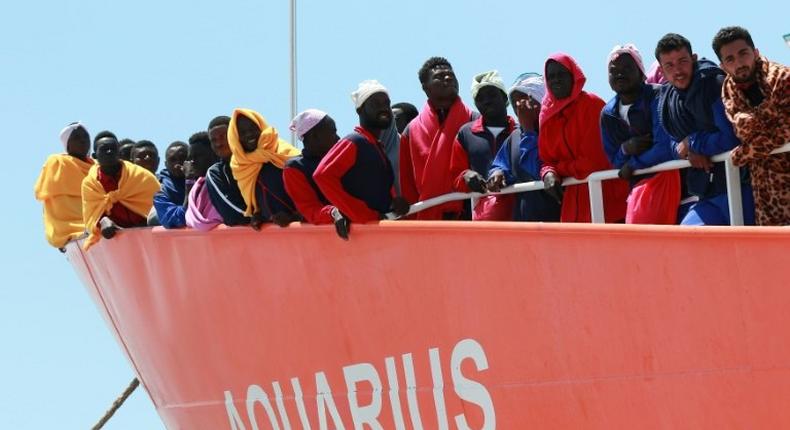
623, 109
495, 130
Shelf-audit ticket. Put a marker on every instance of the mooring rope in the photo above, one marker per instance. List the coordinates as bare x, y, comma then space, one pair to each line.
117, 404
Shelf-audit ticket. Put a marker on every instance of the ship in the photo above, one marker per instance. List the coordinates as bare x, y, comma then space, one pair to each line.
454, 324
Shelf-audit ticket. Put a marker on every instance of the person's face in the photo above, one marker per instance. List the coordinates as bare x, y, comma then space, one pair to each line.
174, 160
322, 137
376, 111
738, 60
146, 157
79, 143
249, 133
401, 119
559, 80
199, 159
624, 75
219, 141
678, 67
491, 102
106, 152
441, 84
525, 106
126, 151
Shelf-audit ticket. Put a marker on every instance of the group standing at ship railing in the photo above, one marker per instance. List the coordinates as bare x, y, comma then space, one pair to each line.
239, 171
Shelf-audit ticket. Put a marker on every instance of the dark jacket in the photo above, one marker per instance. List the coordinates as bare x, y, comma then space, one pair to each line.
698, 113
642, 120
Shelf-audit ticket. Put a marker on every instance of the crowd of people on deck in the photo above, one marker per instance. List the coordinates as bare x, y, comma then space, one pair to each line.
239, 171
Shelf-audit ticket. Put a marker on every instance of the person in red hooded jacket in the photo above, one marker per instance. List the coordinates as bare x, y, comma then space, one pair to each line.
570, 143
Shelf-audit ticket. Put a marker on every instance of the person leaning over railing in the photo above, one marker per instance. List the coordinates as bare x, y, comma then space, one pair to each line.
691, 111
756, 95
518, 159
634, 139
478, 142
570, 143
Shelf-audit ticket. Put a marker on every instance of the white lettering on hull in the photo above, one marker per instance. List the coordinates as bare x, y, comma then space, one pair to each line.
365, 411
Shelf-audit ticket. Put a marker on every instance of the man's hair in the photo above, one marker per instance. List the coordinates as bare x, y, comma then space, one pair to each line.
219, 120
174, 144
102, 134
728, 35
431, 64
408, 109
145, 144
126, 141
671, 42
200, 138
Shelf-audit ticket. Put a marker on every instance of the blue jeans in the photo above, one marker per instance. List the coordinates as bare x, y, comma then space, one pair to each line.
715, 210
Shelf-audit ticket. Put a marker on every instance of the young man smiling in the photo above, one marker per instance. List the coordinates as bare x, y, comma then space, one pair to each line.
756, 97
355, 175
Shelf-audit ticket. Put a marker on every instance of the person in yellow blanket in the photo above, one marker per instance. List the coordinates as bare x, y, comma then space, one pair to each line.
257, 165
58, 186
115, 193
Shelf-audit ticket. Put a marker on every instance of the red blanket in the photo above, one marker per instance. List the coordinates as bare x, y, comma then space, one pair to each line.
425, 151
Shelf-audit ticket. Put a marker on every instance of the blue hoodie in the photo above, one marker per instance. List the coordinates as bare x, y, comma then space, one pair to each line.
169, 201
698, 112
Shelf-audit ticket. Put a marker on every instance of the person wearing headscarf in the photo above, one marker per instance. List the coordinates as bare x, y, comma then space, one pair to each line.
570, 143
58, 186
634, 139
691, 111
518, 159
318, 132
478, 142
756, 95
259, 156
115, 193
355, 175
427, 142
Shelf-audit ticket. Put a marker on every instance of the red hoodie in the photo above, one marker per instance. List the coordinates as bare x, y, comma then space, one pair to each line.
570, 144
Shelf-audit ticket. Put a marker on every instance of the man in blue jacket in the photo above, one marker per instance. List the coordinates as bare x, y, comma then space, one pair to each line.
634, 139
169, 201
691, 111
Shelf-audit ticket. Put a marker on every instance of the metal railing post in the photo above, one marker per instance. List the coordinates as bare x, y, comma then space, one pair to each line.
733, 174
596, 200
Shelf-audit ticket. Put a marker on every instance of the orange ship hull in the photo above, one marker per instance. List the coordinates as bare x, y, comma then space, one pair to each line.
453, 325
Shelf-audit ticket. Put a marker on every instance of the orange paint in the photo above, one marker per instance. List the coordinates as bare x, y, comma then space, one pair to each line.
556, 326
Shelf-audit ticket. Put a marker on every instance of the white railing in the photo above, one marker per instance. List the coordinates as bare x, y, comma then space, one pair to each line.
595, 179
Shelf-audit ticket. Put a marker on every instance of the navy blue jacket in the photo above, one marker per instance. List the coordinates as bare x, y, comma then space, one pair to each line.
226, 197
534, 205
642, 120
698, 113
169, 201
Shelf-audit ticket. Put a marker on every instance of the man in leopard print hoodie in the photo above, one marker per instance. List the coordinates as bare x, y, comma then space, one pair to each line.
756, 95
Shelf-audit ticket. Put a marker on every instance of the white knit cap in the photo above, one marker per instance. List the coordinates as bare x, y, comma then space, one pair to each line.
65, 134
487, 79
365, 90
305, 121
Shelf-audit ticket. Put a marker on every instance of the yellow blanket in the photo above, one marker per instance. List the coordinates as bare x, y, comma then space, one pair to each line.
136, 190
246, 165
59, 188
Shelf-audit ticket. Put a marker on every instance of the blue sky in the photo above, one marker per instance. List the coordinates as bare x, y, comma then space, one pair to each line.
161, 70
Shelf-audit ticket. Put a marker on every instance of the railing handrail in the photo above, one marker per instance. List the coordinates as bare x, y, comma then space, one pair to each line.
603, 175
